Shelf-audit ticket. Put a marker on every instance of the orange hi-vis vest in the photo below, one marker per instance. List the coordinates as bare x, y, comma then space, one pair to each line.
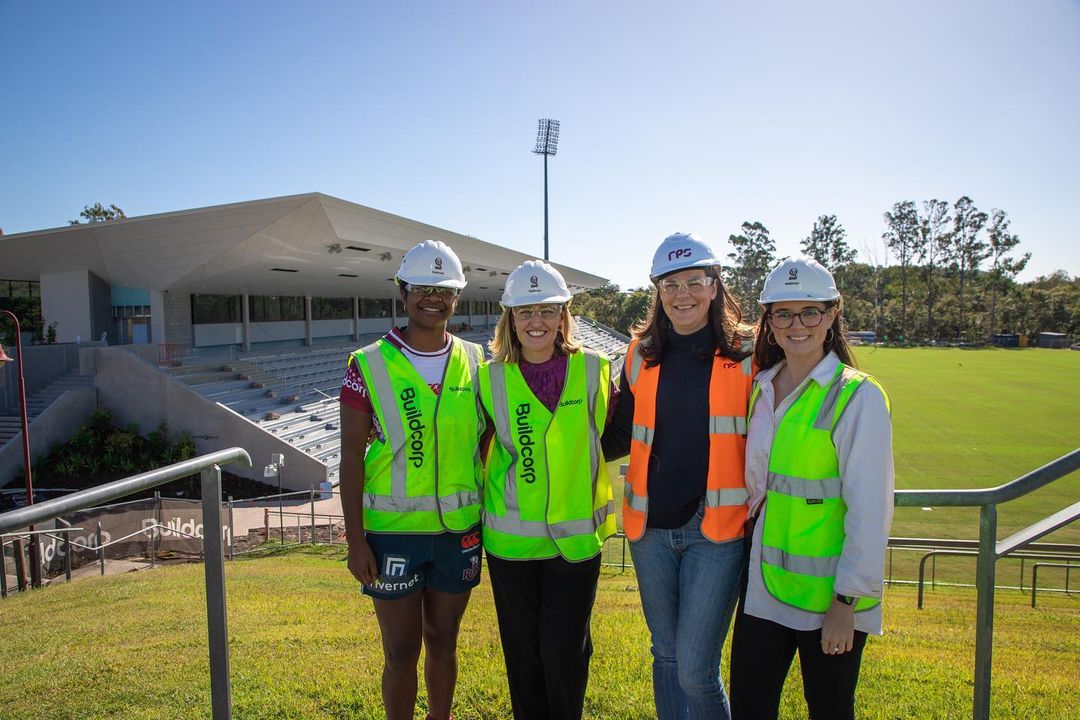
725, 489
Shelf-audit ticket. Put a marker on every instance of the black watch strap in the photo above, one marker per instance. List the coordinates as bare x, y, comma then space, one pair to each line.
845, 599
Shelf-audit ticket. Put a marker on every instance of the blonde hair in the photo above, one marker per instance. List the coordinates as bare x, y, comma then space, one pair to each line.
505, 346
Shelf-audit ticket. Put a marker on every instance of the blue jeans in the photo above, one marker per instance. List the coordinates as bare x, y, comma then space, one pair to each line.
688, 586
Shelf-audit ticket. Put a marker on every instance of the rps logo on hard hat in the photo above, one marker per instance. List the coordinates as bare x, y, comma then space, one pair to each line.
681, 251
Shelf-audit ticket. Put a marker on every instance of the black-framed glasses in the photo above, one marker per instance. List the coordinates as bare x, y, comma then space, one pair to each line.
810, 317
547, 313
692, 285
442, 292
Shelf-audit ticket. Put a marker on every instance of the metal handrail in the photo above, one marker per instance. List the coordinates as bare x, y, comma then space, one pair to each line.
987, 499
208, 466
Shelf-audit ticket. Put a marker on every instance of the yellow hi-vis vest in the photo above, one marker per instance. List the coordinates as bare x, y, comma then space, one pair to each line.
546, 487
803, 535
423, 476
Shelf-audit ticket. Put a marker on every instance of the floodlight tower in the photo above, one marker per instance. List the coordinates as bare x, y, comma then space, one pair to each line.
547, 143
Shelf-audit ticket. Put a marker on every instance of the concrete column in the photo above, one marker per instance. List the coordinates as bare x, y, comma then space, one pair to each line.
356, 319
245, 317
157, 317
307, 320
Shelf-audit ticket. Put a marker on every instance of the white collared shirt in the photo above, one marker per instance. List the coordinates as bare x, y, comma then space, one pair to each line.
863, 440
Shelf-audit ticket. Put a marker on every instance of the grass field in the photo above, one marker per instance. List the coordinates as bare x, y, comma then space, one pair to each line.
304, 645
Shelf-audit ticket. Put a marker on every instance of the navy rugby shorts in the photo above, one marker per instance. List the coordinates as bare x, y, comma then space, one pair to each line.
448, 562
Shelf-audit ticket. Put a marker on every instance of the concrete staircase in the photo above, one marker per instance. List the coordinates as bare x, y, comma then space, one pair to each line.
11, 424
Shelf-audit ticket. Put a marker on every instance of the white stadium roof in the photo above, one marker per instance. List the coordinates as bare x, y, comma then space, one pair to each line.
309, 244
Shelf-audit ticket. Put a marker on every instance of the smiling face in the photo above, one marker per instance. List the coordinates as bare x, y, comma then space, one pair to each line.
429, 310
537, 328
686, 296
797, 340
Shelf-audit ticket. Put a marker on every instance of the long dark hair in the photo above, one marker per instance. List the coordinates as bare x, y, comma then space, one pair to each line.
767, 352
725, 317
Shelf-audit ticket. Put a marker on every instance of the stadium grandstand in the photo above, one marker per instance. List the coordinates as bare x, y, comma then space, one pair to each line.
230, 322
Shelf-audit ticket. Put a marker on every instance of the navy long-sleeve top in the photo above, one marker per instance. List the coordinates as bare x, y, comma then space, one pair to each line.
679, 462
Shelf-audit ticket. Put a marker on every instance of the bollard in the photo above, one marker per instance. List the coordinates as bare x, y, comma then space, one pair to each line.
266, 523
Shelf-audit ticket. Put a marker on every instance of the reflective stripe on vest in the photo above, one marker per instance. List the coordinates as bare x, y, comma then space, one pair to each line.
725, 494
412, 482
525, 508
803, 535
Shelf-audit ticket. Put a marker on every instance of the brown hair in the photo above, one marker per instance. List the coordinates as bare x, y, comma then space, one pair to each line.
505, 346
725, 317
767, 352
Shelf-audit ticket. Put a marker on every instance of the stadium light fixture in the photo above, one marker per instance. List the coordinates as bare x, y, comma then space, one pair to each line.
547, 143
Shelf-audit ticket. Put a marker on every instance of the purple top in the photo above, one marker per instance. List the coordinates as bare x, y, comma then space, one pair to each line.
546, 379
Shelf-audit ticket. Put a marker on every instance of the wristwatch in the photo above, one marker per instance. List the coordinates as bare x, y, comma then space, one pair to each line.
845, 599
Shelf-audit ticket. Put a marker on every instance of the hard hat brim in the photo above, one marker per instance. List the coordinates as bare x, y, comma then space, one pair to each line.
702, 263
539, 300
795, 295
448, 282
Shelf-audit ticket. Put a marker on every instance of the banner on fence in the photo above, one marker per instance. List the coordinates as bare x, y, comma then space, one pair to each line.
131, 529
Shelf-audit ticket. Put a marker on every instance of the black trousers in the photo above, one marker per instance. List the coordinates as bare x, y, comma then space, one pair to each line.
761, 655
544, 607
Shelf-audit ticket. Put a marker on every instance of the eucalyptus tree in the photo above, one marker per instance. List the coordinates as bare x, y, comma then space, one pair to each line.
99, 213
902, 237
1003, 267
753, 256
967, 250
930, 248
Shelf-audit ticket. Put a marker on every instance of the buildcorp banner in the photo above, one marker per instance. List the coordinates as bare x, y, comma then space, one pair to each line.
131, 529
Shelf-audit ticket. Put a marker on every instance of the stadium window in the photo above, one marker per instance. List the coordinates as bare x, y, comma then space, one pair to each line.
373, 308
331, 308
210, 309
275, 308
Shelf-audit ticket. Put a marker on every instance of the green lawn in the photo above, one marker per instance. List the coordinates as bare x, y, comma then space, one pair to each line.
304, 644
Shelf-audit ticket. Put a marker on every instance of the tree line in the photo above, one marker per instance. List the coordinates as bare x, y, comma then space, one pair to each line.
952, 277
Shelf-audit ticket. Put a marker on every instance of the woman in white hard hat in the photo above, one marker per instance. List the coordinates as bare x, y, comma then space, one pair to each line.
547, 497
820, 475
681, 415
412, 502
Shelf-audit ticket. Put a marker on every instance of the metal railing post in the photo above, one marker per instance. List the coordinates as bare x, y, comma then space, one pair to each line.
984, 615
231, 526
3, 569
214, 568
312, 514
100, 549
20, 565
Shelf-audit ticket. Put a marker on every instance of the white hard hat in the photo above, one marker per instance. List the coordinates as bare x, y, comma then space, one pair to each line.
679, 252
801, 278
534, 282
432, 262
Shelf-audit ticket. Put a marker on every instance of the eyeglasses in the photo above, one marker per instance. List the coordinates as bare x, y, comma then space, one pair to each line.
547, 313
810, 317
443, 292
693, 286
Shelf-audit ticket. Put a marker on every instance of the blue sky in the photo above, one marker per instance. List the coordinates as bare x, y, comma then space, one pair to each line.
689, 116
